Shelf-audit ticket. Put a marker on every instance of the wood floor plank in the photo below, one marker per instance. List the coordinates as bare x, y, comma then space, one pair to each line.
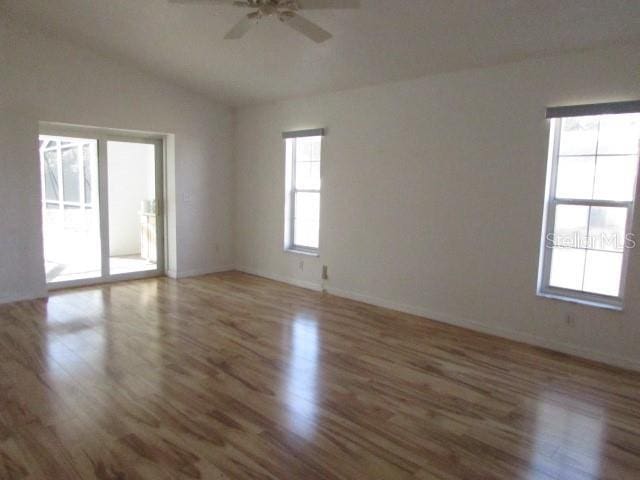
231, 376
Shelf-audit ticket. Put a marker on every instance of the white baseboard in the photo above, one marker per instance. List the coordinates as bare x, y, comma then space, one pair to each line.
9, 298
196, 272
562, 347
290, 280
527, 338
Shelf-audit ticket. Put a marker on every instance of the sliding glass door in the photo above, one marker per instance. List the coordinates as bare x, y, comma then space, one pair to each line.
133, 224
70, 208
101, 208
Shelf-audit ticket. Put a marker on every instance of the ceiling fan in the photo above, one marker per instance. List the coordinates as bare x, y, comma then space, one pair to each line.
285, 10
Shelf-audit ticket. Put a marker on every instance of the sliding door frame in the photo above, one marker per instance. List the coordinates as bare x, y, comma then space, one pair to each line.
103, 137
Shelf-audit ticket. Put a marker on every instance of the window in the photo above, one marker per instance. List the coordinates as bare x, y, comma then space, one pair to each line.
303, 183
591, 191
70, 216
68, 171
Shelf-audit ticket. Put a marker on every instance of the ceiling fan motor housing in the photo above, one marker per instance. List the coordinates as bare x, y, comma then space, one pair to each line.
281, 8
284, 10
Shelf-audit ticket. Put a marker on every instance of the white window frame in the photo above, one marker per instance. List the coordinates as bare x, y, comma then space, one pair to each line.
60, 202
556, 116
292, 190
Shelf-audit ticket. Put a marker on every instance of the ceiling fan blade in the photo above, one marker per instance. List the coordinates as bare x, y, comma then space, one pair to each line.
328, 4
306, 27
235, 3
240, 28
204, 2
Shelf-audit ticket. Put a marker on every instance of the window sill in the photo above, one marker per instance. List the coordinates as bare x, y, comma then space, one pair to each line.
301, 252
616, 307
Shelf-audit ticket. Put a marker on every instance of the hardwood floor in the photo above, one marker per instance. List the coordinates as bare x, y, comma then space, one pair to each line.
231, 376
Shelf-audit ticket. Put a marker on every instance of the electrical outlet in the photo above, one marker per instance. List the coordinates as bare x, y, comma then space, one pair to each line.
325, 272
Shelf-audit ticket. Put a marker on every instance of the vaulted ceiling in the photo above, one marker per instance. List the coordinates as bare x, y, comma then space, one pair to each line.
384, 40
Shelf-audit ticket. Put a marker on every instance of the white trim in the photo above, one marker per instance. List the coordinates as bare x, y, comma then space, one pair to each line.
297, 251
172, 274
197, 272
97, 281
582, 298
528, 338
21, 297
279, 278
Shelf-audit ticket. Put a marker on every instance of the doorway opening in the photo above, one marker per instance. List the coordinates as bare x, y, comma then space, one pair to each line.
101, 207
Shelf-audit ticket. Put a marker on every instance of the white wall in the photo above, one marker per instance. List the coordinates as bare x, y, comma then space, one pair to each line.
44, 79
433, 188
433, 194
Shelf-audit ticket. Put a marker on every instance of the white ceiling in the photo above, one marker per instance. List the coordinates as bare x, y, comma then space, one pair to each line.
384, 40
